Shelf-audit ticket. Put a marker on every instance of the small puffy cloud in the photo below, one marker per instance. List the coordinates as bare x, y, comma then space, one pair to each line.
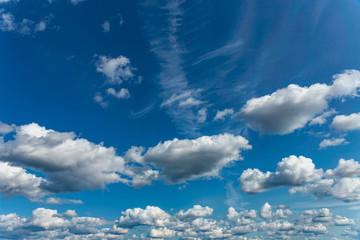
320, 120
151, 216
106, 26
291, 108
123, 93
116, 70
343, 221
5, 128
346, 122
220, 115
332, 142
195, 212
162, 233
291, 171
181, 160
98, 98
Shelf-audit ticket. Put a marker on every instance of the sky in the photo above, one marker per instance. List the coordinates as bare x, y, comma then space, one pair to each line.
179, 119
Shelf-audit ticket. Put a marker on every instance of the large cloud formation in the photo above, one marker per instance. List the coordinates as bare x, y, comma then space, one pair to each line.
300, 173
271, 222
293, 107
68, 163
186, 159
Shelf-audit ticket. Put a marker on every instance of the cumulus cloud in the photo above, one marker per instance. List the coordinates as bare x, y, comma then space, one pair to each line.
202, 114
291, 171
17, 181
181, 160
346, 122
220, 115
7, 21
293, 107
71, 163
193, 223
117, 70
300, 173
68, 163
151, 216
195, 212
332, 142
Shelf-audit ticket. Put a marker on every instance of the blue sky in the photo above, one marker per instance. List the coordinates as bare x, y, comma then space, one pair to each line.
179, 119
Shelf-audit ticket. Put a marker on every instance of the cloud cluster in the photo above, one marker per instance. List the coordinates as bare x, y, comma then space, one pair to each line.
271, 222
68, 163
8, 23
300, 173
332, 142
293, 107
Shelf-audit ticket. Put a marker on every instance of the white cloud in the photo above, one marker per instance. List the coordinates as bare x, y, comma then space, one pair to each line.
59, 201
116, 70
123, 93
70, 163
342, 183
293, 107
332, 142
16, 181
220, 115
291, 171
98, 98
346, 122
181, 160
202, 114
151, 216
320, 120
106, 26
7, 21
5, 128
195, 212
155, 223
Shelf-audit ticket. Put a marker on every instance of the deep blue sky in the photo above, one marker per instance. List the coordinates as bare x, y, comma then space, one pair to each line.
174, 68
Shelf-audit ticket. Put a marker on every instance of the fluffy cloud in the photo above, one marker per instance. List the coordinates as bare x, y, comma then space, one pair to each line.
49, 223
332, 142
16, 181
220, 115
195, 212
151, 216
291, 171
116, 70
342, 183
293, 107
59, 201
7, 21
5, 128
123, 93
181, 160
346, 122
71, 163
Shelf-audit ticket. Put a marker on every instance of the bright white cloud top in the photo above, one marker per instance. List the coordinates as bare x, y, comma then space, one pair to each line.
291, 108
